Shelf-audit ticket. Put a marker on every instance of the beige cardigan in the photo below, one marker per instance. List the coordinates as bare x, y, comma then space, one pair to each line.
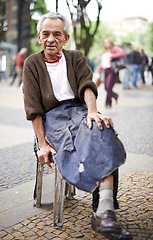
38, 92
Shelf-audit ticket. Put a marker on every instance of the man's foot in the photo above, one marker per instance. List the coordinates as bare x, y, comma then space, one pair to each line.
106, 223
124, 235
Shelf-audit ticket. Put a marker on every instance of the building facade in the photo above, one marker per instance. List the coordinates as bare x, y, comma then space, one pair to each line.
128, 25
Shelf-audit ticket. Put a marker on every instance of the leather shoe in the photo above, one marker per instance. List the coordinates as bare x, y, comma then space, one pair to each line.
106, 223
124, 235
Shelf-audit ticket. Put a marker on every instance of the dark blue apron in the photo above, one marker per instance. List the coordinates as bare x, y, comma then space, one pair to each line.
84, 157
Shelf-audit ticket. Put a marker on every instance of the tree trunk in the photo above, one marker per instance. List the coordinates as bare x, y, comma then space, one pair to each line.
24, 24
83, 29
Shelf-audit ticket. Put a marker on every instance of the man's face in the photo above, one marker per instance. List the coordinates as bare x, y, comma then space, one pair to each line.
52, 36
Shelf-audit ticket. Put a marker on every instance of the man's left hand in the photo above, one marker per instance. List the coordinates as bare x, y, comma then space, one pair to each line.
97, 117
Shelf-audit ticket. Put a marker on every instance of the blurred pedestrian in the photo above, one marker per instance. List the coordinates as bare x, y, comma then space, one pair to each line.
0, 69
109, 53
144, 64
19, 65
150, 68
14, 74
136, 69
90, 63
129, 64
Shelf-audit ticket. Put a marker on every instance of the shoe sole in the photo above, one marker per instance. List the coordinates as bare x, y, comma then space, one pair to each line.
105, 230
120, 237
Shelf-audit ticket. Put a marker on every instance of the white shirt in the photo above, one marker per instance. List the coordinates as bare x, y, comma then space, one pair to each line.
58, 75
105, 60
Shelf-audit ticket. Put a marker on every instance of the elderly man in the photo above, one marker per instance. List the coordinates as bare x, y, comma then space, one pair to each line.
60, 100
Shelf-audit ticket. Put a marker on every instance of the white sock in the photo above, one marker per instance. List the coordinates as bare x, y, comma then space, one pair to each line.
105, 199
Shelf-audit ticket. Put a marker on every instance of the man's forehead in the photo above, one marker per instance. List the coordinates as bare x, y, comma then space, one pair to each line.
53, 23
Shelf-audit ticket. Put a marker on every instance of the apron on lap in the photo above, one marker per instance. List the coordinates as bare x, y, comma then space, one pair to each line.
84, 157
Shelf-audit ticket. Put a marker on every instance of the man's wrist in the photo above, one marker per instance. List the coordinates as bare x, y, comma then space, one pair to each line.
92, 110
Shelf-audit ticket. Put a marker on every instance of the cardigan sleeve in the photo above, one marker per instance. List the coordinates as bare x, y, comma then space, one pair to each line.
31, 90
84, 76
117, 52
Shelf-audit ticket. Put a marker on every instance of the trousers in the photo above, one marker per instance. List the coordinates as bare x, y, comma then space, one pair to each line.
110, 78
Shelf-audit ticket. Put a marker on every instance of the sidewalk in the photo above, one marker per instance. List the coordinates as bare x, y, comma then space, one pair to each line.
20, 220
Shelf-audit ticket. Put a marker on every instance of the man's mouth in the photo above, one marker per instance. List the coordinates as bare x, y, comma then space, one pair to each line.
49, 46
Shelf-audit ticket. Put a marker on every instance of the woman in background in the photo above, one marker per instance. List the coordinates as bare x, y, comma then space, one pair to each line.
109, 53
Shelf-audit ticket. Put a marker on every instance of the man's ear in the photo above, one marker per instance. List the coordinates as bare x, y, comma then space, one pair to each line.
67, 37
38, 35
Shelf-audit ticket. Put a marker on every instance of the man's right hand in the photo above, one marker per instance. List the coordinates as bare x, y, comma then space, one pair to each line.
44, 154
45, 148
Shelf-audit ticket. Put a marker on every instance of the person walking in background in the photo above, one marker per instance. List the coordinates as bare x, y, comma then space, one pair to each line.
149, 65
144, 63
136, 69
14, 75
0, 69
91, 64
19, 65
129, 64
110, 77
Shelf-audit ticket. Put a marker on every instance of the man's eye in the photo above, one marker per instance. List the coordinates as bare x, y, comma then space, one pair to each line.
57, 34
45, 34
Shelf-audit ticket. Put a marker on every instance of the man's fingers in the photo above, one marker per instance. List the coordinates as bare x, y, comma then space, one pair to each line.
46, 161
99, 124
107, 121
44, 158
97, 118
107, 124
111, 122
89, 123
48, 164
53, 151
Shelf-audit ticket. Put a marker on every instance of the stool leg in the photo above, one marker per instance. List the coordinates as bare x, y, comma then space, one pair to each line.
58, 199
71, 191
39, 184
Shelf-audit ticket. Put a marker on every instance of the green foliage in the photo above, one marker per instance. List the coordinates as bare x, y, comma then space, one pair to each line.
33, 32
150, 38
39, 7
97, 47
144, 40
2, 19
35, 46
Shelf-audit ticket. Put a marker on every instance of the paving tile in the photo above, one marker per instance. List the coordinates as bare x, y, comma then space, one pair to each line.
135, 213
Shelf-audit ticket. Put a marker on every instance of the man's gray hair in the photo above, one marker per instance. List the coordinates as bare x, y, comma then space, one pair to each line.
54, 15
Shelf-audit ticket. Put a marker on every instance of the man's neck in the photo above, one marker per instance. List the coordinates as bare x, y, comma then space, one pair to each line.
53, 58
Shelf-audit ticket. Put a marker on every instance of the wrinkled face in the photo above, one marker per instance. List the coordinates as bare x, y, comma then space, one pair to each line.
52, 37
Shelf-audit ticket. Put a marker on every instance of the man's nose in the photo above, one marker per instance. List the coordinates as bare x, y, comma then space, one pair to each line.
51, 38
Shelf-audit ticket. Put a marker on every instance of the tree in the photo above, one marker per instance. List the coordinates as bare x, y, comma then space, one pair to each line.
150, 37
83, 29
27, 25
97, 47
24, 18
145, 40
3, 24
56, 5
39, 7
16, 23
